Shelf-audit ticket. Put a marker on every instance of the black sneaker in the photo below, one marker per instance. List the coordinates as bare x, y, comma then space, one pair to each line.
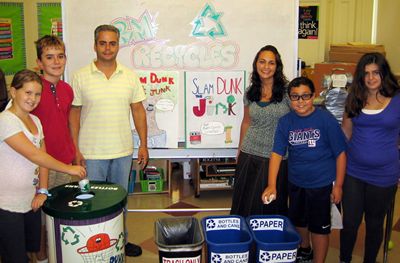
304, 255
132, 250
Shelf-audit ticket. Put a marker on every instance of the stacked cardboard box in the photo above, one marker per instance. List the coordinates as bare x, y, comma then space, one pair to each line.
329, 68
352, 52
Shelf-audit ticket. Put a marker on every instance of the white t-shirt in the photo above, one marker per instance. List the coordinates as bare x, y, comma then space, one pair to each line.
18, 175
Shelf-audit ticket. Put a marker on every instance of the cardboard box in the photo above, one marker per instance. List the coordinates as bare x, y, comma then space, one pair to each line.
328, 68
352, 52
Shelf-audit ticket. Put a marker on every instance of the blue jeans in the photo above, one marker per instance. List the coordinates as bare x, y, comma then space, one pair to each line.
110, 170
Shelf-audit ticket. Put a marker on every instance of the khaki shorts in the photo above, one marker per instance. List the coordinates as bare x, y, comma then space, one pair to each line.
58, 178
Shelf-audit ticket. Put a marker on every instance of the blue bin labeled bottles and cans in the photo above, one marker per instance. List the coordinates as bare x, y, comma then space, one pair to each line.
275, 237
228, 239
179, 239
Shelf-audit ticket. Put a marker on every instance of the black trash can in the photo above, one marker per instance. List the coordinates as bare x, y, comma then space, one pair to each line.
179, 239
86, 227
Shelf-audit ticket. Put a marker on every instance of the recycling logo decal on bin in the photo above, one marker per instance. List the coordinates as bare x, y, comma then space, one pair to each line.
69, 236
254, 224
264, 257
75, 203
230, 257
267, 224
210, 224
277, 256
222, 224
216, 258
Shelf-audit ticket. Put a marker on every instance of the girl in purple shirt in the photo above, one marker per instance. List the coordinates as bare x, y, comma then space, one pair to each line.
371, 123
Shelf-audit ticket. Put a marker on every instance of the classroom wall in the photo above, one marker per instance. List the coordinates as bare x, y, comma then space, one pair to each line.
389, 31
340, 21
348, 21
311, 51
31, 30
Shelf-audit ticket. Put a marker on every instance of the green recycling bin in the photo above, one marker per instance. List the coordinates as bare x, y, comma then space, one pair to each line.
86, 227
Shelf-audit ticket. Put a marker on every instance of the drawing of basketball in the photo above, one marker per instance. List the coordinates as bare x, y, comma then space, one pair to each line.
99, 248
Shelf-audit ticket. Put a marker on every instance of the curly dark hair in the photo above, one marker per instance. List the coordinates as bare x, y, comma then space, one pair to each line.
358, 93
280, 80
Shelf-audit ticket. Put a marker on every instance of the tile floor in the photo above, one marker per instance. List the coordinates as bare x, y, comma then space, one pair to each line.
141, 222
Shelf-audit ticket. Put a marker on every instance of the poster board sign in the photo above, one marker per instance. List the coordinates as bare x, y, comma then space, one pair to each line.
214, 103
308, 22
162, 108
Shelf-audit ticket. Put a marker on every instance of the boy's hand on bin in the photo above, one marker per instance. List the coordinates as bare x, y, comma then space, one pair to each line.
268, 195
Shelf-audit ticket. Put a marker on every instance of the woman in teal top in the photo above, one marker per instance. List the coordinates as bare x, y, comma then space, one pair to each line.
265, 101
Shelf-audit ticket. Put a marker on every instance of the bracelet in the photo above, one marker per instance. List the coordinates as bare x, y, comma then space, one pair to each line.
43, 191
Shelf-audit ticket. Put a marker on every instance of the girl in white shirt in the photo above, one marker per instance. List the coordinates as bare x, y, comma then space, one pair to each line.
23, 170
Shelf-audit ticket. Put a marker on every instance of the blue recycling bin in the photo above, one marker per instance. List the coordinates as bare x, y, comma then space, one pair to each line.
228, 238
275, 237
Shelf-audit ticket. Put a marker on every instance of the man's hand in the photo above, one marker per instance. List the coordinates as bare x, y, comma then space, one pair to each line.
79, 159
143, 157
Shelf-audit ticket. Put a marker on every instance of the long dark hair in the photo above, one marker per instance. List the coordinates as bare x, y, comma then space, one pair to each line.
3, 91
358, 93
280, 80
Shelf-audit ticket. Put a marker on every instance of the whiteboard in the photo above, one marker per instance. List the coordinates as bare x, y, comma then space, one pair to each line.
184, 35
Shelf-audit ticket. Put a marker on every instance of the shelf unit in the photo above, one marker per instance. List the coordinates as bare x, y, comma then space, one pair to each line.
212, 174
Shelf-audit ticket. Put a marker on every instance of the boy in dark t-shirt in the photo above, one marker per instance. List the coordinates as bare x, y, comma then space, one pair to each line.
316, 147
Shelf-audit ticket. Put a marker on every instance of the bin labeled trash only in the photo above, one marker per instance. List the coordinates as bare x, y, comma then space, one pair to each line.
228, 239
179, 239
86, 227
275, 237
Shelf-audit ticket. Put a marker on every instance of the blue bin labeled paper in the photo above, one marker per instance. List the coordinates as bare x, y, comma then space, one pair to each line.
275, 237
228, 239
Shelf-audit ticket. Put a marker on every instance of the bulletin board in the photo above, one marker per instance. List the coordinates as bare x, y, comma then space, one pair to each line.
12, 38
184, 37
49, 19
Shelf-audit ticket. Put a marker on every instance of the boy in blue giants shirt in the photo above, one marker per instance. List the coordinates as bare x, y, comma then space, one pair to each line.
316, 147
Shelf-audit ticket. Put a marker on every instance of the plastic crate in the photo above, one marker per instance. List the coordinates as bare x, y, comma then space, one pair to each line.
275, 237
131, 183
152, 185
228, 238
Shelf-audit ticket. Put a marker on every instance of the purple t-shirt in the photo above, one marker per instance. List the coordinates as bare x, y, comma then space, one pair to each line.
372, 153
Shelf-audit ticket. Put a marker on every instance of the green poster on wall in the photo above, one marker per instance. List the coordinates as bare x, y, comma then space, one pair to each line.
49, 19
12, 37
